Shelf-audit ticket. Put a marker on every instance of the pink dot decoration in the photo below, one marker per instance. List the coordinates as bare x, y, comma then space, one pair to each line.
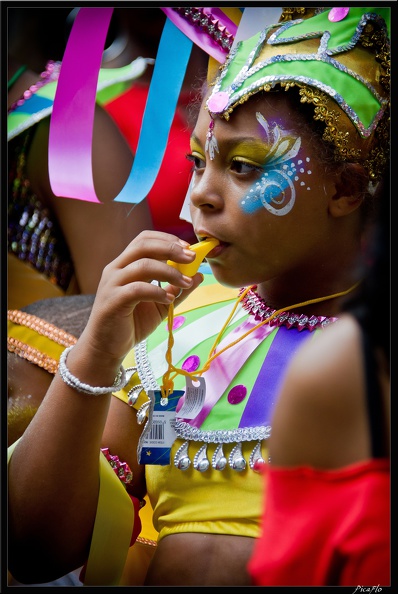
237, 394
177, 322
218, 102
338, 13
191, 363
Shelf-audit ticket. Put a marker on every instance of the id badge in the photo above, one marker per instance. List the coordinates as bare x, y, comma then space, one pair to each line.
159, 434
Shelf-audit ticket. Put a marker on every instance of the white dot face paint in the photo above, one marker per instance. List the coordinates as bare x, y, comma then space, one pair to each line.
275, 190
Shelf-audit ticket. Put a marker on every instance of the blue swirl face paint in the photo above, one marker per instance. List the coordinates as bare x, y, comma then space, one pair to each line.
275, 190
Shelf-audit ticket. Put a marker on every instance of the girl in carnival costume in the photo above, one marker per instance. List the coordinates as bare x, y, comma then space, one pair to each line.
288, 152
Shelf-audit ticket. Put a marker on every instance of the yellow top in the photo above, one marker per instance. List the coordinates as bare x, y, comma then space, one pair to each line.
180, 499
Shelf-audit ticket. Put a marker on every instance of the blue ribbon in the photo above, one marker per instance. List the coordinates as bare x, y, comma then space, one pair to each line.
168, 75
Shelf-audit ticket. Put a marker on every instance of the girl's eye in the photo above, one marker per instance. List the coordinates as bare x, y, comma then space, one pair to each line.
197, 162
244, 167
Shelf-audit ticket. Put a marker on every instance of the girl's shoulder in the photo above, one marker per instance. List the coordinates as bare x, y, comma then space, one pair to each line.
321, 417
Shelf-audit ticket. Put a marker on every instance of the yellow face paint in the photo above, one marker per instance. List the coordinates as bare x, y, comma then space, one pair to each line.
196, 147
254, 153
251, 151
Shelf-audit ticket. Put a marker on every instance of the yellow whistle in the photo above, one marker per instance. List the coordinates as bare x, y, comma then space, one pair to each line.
201, 249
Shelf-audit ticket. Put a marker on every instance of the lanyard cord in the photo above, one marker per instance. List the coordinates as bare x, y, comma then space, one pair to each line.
172, 371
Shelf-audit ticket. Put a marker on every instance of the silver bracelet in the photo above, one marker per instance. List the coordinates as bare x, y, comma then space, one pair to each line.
120, 380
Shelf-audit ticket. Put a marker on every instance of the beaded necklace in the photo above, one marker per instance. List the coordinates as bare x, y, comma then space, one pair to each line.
257, 307
253, 303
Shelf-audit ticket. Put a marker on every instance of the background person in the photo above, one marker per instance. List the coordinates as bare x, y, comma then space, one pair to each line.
37, 335
59, 246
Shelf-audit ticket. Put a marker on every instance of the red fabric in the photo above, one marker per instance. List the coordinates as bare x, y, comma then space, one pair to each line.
168, 192
325, 528
134, 535
137, 519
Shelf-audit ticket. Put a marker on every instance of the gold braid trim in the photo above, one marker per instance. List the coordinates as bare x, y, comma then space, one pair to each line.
331, 118
291, 13
376, 160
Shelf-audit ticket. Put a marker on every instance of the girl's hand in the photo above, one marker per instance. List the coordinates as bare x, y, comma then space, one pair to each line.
128, 306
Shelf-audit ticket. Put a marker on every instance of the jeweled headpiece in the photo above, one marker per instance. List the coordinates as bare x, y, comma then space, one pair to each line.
339, 58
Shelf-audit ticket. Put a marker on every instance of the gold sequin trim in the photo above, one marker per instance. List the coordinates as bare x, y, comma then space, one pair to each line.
41, 327
32, 354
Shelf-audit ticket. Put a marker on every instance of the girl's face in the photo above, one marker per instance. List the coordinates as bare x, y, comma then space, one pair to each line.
263, 194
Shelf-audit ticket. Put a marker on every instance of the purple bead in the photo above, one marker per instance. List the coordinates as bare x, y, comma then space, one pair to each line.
177, 322
191, 364
338, 13
237, 394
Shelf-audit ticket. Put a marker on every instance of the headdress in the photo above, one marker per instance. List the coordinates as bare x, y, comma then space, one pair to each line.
339, 58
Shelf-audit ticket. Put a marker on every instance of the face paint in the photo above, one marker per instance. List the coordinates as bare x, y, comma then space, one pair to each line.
275, 189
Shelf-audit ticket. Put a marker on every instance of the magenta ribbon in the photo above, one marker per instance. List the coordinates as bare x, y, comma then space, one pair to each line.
72, 120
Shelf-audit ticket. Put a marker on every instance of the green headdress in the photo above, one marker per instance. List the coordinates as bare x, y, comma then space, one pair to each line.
340, 60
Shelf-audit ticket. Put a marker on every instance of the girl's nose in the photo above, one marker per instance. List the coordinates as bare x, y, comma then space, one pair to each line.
205, 191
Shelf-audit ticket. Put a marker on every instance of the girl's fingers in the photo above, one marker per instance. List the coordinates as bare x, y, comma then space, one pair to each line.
154, 245
147, 270
182, 293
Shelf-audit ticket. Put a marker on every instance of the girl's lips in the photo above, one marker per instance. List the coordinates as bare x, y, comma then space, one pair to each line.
217, 250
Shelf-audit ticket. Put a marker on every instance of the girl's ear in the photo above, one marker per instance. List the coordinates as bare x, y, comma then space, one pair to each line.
351, 188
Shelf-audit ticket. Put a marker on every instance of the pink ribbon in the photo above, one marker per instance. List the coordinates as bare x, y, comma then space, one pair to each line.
69, 157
